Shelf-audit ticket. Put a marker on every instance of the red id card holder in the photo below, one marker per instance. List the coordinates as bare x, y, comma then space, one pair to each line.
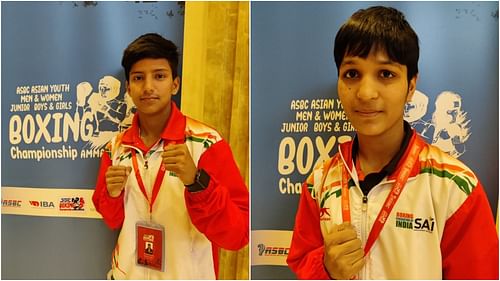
150, 245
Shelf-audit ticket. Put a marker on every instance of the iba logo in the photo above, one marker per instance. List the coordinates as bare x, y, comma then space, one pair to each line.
72, 204
409, 221
272, 251
42, 204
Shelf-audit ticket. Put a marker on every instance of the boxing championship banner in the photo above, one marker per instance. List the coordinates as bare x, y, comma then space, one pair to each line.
63, 97
297, 120
63, 88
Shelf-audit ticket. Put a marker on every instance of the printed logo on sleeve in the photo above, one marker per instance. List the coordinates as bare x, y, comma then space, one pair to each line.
324, 214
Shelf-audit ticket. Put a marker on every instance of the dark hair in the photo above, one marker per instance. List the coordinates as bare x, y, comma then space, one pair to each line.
382, 28
150, 45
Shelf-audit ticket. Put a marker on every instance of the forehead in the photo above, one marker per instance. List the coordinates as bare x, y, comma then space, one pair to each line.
376, 56
151, 64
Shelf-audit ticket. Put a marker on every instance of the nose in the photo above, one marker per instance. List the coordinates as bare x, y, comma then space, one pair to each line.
367, 89
148, 84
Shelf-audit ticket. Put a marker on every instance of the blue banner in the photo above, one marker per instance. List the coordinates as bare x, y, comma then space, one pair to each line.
63, 98
297, 120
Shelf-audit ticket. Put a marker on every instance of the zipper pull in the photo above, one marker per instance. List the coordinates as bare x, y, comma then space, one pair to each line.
364, 207
146, 164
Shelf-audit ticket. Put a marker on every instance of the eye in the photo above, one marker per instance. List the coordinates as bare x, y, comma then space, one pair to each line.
160, 76
351, 74
136, 78
386, 74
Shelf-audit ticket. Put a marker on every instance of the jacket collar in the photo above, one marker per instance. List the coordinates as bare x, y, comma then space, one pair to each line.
173, 131
394, 166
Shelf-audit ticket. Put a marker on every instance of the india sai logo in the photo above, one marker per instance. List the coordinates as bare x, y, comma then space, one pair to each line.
409, 221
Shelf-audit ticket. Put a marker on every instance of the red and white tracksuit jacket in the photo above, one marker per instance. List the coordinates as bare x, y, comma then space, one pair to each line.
196, 224
441, 227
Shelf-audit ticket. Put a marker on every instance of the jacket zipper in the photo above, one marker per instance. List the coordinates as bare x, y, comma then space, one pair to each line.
147, 181
364, 235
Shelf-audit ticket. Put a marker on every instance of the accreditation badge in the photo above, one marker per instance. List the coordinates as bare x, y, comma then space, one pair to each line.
150, 245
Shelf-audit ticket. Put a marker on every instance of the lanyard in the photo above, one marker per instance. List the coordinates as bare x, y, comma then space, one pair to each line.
390, 201
157, 184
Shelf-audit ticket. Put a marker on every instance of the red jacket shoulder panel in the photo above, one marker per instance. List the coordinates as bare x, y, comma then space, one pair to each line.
221, 211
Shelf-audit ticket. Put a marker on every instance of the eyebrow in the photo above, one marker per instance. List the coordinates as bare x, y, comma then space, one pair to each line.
353, 61
154, 70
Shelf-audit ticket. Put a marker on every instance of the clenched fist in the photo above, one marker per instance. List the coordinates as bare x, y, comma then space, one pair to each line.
176, 158
116, 177
343, 253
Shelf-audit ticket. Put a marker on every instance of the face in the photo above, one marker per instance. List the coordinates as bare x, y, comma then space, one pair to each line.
104, 88
151, 86
373, 92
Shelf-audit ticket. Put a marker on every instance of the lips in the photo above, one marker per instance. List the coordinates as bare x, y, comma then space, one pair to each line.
367, 112
148, 98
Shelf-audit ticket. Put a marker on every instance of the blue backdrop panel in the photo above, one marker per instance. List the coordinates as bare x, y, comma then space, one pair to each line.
64, 43
292, 63
46, 43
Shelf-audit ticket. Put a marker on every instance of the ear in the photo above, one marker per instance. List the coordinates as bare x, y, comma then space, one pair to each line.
176, 85
127, 86
412, 86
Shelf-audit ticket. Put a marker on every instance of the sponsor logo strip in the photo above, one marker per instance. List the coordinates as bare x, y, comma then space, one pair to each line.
48, 202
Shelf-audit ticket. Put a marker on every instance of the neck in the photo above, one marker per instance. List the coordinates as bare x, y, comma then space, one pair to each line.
152, 126
377, 151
